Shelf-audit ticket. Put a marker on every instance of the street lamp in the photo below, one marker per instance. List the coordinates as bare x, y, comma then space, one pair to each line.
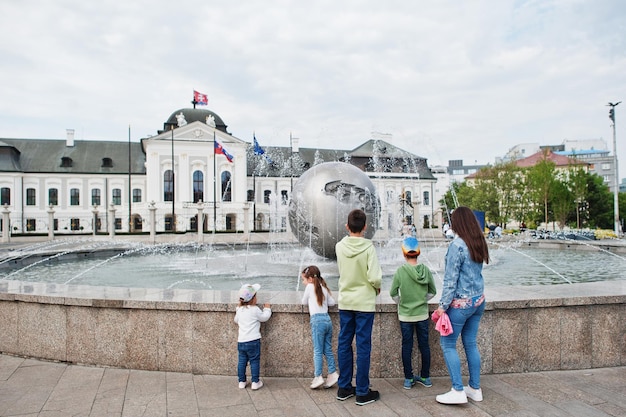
616, 183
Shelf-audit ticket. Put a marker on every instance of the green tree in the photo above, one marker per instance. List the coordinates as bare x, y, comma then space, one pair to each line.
484, 193
600, 203
578, 185
541, 179
561, 202
464, 196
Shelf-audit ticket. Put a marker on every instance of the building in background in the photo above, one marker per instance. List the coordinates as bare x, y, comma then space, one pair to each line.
593, 151
192, 174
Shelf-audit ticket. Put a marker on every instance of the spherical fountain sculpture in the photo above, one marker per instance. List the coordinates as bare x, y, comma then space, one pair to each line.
321, 200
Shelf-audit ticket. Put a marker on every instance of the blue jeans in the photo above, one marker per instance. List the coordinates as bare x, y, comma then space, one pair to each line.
353, 323
322, 334
465, 322
420, 328
249, 352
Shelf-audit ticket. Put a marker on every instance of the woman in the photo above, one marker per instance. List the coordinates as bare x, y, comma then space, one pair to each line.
463, 300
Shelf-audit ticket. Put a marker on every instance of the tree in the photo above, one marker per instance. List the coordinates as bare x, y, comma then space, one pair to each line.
600, 202
561, 202
541, 178
578, 187
465, 196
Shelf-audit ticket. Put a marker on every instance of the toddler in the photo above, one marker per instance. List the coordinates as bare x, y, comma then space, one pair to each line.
249, 317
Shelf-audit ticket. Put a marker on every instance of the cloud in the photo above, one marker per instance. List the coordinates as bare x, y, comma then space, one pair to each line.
449, 80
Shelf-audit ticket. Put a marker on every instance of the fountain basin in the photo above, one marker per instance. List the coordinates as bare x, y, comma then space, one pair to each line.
277, 266
529, 328
525, 328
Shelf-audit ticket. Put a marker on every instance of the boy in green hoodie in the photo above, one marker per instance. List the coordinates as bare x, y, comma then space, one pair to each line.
360, 277
412, 287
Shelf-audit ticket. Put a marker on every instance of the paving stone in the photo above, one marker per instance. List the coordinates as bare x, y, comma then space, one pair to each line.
47, 389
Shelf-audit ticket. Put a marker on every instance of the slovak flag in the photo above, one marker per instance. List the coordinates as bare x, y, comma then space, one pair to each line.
219, 149
200, 98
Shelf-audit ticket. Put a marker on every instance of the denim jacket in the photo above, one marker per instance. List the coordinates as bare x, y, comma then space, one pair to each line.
463, 277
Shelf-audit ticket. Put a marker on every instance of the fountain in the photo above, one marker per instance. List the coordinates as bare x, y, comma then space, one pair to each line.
321, 200
225, 267
170, 306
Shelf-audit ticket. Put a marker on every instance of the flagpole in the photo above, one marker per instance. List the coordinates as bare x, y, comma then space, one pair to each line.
130, 187
254, 197
254, 184
214, 182
173, 186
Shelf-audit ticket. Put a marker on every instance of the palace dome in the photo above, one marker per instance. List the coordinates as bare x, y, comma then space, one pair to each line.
194, 115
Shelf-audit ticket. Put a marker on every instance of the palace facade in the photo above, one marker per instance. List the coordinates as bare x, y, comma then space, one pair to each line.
193, 173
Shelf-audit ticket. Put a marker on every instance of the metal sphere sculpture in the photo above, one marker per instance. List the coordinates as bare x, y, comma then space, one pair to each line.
320, 203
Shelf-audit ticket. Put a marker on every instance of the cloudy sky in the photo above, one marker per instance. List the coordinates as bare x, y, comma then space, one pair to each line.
448, 79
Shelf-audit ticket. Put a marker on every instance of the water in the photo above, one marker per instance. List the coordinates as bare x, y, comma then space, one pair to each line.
277, 267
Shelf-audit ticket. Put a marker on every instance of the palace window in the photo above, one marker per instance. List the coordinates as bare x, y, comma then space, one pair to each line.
168, 185
74, 197
30, 197
117, 196
95, 197
5, 196
226, 186
53, 197
198, 186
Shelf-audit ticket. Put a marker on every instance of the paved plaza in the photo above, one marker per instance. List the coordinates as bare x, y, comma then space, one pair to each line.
33, 388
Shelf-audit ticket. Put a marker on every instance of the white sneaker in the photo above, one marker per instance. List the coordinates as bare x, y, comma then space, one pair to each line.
473, 394
257, 385
242, 385
331, 379
317, 382
452, 397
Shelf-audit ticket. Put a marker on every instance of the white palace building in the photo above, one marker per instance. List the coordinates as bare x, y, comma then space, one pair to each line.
181, 178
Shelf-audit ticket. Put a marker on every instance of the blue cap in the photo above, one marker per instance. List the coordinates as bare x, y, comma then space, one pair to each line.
410, 244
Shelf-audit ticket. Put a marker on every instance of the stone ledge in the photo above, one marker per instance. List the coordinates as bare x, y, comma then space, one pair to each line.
569, 326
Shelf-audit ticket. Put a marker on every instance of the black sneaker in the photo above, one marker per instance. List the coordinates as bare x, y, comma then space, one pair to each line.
370, 397
345, 393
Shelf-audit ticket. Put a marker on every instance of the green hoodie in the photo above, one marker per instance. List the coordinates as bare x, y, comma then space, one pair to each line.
360, 275
412, 287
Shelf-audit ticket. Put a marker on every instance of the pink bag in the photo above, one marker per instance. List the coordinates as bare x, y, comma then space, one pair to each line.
443, 325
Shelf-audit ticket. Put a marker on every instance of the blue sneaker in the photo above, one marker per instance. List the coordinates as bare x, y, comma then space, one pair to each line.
408, 383
424, 381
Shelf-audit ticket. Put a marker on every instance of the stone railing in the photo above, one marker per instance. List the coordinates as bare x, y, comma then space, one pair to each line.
554, 327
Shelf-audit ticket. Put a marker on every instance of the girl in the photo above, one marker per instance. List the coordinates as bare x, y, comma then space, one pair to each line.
463, 299
318, 297
249, 317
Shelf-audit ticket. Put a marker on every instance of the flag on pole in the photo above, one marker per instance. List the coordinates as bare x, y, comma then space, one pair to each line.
200, 98
219, 149
258, 150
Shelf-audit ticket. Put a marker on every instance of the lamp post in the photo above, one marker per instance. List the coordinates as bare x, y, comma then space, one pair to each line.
616, 182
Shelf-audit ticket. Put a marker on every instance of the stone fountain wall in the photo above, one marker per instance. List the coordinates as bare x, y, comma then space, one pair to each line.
556, 327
